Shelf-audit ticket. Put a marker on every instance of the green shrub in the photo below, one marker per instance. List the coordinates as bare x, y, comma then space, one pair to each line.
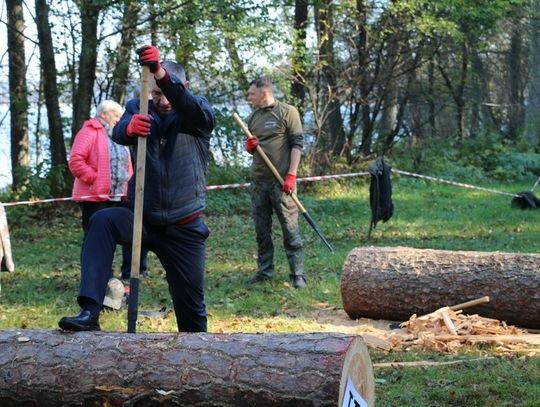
516, 166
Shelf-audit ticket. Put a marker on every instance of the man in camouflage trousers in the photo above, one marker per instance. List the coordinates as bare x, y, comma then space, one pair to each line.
278, 130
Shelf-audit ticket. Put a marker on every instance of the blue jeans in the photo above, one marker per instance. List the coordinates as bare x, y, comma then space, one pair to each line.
180, 249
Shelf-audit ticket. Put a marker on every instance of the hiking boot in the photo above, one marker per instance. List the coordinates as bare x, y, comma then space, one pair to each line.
299, 281
258, 278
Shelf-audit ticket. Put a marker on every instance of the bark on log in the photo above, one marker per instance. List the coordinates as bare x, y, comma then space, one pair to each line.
53, 368
396, 282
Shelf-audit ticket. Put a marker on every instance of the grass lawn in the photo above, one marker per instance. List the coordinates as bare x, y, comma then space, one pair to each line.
46, 245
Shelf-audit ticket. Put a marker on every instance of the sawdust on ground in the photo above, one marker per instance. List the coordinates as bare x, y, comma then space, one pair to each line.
431, 331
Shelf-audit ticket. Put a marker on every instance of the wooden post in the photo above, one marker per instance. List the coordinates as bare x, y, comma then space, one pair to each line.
138, 211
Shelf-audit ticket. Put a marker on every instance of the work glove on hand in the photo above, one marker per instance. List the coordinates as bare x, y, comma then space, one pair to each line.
289, 183
139, 126
251, 144
149, 55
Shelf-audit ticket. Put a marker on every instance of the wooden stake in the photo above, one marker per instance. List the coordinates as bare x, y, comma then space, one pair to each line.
138, 210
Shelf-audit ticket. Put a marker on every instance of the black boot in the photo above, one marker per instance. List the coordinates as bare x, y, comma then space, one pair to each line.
85, 321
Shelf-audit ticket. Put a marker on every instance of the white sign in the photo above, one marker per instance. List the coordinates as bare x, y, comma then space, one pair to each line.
351, 397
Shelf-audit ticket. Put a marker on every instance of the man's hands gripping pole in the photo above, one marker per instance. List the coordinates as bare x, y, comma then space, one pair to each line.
149, 56
291, 181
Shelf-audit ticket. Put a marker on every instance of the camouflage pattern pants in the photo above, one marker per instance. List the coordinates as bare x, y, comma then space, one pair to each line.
266, 198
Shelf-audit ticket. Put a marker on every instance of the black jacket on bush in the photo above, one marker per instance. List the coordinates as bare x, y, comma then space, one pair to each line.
380, 192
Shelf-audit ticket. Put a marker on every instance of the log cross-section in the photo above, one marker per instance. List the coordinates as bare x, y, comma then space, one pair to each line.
396, 282
54, 368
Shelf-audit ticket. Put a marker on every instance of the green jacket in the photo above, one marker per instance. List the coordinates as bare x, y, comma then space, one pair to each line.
279, 129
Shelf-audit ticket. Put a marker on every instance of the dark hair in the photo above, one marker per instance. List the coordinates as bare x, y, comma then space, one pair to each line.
175, 69
262, 82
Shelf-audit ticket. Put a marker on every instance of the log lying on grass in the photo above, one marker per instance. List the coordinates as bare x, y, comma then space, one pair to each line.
52, 368
395, 282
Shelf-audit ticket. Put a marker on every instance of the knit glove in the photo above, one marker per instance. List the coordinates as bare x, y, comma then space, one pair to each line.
139, 126
289, 183
251, 144
149, 55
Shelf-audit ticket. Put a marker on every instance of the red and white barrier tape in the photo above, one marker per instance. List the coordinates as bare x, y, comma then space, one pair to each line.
303, 179
208, 188
459, 184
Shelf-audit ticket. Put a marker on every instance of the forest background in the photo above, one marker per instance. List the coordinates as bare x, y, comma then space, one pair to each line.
441, 87
448, 87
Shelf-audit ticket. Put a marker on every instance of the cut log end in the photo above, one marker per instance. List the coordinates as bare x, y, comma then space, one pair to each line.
357, 366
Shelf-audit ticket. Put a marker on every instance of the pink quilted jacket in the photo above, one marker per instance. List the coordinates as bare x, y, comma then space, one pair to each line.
89, 164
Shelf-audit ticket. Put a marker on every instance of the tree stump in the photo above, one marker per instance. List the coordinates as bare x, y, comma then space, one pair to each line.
53, 368
395, 282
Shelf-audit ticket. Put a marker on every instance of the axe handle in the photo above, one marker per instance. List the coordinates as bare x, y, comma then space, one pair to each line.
471, 303
138, 211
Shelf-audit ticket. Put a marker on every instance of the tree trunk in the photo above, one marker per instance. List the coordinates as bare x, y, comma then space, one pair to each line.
51, 368
18, 93
532, 123
48, 69
515, 81
394, 283
362, 45
299, 53
125, 50
389, 85
237, 63
89, 11
334, 134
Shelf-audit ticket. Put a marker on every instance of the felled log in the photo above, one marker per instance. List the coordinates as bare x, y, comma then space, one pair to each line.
396, 282
52, 368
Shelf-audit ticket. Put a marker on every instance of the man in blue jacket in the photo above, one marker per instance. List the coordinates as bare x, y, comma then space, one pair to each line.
178, 128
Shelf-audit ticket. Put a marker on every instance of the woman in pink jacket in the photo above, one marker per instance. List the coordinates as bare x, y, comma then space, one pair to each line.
101, 167
102, 170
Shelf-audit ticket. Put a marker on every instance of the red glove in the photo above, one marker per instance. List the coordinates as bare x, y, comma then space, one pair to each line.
149, 55
251, 144
289, 183
139, 126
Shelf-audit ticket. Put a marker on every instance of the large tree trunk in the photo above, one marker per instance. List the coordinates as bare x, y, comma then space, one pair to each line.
334, 134
299, 54
515, 80
532, 125
51, 368
395, 282
48, 69
125, 50
362, 48
82, 101
18, 93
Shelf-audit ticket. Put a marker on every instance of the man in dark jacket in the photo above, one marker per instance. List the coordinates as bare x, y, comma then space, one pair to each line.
178, 129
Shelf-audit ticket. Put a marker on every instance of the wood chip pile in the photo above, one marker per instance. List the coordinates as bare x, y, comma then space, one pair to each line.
447, 330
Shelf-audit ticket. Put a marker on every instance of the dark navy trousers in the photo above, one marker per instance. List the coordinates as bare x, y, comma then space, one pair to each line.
180, 249
87, 210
